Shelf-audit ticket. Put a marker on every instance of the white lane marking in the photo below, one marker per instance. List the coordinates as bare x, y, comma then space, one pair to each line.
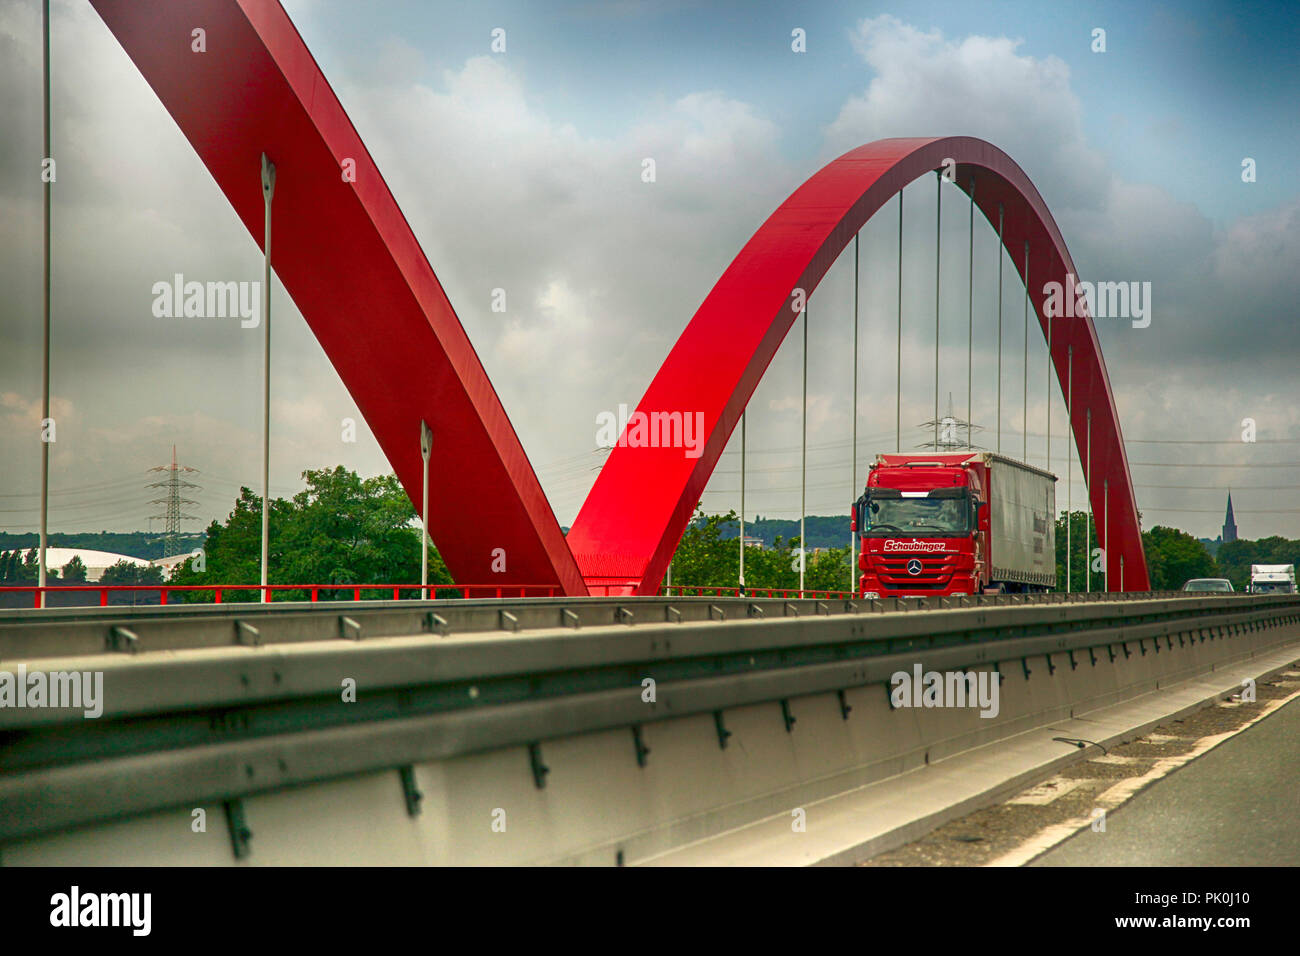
1047, 791
1118, 794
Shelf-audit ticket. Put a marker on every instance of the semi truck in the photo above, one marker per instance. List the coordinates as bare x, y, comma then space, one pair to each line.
950, 524
1272, 579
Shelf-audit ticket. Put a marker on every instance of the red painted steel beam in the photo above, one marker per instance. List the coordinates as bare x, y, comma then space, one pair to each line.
347, 257
643, 499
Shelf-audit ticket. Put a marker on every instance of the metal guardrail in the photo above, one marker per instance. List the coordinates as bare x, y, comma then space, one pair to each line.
84, 630
353, 592
692, 590
192, 725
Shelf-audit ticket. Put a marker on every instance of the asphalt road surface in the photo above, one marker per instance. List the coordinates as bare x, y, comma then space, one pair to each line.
1238, 805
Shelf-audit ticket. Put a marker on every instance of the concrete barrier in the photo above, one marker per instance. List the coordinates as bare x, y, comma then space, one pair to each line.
539, 747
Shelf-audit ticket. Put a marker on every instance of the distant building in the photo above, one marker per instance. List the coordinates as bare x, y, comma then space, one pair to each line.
751, 542
171, 563
96, 562
1229, 525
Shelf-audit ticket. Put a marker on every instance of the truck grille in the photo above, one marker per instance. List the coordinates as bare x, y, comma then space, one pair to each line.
936, 570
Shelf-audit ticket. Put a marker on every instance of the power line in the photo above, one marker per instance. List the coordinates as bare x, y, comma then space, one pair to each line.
1222, 487
97, 503
111, 484
1211, 464
1199, 441
1219, 511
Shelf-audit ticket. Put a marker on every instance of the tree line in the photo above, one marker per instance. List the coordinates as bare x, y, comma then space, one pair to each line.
22, 568
709, 556
137, 544
342, 529
1235, 557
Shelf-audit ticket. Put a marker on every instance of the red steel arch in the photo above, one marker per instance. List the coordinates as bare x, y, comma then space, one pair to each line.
643, 498
346, 255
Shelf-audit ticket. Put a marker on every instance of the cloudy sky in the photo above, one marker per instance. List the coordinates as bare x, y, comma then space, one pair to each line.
521, 170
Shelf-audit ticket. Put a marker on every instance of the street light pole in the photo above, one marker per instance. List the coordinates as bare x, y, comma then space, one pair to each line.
426, 448
1000, 224
1024, 395
268, 191
853, 535
1087, 480
898, 364
742, 503
938, 223
803, 461
1069, 460
970, 319
1104, 543
46, 435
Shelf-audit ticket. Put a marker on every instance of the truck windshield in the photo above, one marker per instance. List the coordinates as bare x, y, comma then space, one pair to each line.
891, 515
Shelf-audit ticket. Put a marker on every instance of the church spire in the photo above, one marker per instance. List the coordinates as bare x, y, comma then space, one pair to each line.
1229, 523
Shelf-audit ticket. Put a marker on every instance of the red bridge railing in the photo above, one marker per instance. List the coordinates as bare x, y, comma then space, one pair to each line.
219, 591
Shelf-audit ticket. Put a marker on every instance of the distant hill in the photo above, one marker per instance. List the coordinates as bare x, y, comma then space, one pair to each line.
823, 531
137, 544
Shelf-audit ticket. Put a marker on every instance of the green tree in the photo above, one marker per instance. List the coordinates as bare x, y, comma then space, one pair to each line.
30, 572
1236, 557
775, 567
1174, 557
1079, 525
705, 558
828, 571
345, 529
341, 530
125, 572
74, 572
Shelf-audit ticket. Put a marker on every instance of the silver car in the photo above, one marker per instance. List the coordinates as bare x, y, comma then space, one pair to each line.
1208, 584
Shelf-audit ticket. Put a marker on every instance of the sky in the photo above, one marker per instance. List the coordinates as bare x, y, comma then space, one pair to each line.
521, 170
